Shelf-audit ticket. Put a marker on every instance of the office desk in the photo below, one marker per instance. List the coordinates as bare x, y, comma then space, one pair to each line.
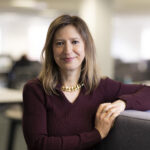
9, 100
10, 96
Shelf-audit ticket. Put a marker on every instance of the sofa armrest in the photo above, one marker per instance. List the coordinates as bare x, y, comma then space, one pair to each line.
131, 131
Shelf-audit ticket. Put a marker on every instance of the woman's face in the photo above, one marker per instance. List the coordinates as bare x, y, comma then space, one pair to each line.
68, 48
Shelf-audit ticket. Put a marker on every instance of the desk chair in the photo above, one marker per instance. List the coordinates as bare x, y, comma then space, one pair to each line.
19, 76
14, 114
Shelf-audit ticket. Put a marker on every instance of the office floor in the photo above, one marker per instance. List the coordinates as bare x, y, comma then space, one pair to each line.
4, 129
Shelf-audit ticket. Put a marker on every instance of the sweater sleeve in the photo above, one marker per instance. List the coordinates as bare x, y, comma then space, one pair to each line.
136, 96
35, 126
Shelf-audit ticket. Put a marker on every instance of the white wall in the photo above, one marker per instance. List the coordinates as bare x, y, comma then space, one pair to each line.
22, 34
97, 14
130, 38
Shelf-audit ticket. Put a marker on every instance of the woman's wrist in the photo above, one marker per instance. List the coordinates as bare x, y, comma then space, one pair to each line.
124, 103
101, 135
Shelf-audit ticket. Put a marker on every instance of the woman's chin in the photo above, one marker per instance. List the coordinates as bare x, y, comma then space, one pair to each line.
71, 68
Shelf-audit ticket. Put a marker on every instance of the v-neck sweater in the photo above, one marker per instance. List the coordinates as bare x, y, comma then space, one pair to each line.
51, 122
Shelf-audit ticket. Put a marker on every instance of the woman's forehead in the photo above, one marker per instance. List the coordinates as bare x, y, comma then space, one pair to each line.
67, 31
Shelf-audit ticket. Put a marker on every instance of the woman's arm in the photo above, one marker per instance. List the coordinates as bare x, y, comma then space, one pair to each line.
35, 126
119, 97
135, 96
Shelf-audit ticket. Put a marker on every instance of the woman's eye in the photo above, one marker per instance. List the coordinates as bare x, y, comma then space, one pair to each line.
59, 43
75, 42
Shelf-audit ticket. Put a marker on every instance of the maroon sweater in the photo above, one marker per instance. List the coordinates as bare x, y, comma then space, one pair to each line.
53, 123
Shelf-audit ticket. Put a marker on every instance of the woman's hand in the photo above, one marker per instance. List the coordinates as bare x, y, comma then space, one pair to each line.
119, 106
106, 114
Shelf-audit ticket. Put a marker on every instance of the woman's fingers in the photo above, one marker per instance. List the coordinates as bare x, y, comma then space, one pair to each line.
106, 115
104, 122
111, 113
117, 106
102, 107
114, 109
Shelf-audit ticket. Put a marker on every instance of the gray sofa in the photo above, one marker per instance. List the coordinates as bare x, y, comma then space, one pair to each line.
131, 131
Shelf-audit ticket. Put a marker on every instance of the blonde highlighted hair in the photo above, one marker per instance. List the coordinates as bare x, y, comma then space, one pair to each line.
50, 75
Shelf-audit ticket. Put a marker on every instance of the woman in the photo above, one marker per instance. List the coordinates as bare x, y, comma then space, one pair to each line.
70, 106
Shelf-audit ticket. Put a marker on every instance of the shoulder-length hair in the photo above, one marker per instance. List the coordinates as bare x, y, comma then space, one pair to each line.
50, 75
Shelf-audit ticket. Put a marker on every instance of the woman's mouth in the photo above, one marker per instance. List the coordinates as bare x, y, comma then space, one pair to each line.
68, 59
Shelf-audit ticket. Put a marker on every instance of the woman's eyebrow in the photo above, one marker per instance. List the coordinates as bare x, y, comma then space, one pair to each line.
61, 39
58, 39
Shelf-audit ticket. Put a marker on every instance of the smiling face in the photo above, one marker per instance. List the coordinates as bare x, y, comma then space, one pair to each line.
68, 48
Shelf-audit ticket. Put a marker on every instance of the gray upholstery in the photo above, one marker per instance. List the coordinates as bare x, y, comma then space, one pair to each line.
131, 131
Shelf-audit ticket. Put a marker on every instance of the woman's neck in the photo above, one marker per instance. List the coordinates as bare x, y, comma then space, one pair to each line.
70, 78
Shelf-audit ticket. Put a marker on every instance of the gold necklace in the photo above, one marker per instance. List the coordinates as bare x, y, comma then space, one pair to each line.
72, 88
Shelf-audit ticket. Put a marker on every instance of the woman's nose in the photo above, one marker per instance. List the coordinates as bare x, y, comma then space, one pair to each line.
68, 47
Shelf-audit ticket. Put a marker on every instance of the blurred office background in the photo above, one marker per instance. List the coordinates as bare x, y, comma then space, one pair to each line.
120, 28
